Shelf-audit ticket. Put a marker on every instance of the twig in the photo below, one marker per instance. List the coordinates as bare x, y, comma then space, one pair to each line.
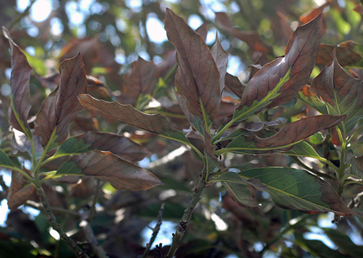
93, 240
20, 16
53, 222
37, 206
155, 232
184, 222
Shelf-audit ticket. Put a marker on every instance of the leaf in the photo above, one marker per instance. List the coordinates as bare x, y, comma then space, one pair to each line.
197, 78
4, 159
359, 9
357, 167
345, 244
234, 84
279, 81
310, 15
341, 93
19, 81
288, 189
303, 149
104, 165
154, 123
239, 192
61, 106
116, 144
312, 100
287, 137
319, 249
251, 38
140, 79
22, 143
220, 57
20, 190
348, 53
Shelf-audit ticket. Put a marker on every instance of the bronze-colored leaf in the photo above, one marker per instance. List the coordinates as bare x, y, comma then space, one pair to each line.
220, 57
61, 106
202, 30
299, 130
140, 79
19, 81
155, 123
197, 77
294, 68
342, 93
104, 165
311, 15
20, 190
345, 53
359, 9
234, 84
251, 38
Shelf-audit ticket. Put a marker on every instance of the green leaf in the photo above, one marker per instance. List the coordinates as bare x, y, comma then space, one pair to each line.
345, 244
288, 189
104, 165
4, 159
72, 146
211, 164
303, 149
342, 94
312, 100
239, 192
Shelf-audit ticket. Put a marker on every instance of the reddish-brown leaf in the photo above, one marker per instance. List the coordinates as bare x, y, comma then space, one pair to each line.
344, 52
202, 30
104, 165
359, 8
197, 77
299, 130
232, 83
220, 57
251, 38
300, 55
311, 15
140, 79
19, 81
20, 190
117, 144
61, 106
284, 26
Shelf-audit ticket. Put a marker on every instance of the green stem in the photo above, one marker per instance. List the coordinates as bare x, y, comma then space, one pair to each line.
184, 222
20, 171
284, 231
53, 222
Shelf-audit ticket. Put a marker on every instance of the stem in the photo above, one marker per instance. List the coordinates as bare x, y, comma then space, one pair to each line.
284, 231
37, 206
184, 222
20, 171
155, 232
93, 240
53, 222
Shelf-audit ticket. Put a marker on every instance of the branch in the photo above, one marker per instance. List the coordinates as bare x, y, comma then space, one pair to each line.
155, 232
184, 222
53, 222
93, 240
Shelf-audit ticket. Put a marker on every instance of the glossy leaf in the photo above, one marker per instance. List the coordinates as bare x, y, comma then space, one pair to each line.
155, 123
116, 144
197, 78
310, 15
61, 106
287, 188
287, 137
251, 38
279, 81
19, 81
119, 172
342, 94
140, 79
303, 149
20, 190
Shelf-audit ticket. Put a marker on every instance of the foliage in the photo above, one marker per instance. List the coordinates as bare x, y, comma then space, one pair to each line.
267, 153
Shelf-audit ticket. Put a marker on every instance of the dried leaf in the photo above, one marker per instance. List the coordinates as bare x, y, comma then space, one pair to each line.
103, 165
251, 38
140, 79
287, 188
197, 78
19, 81
155, 123
61, 106
279, 81
342, 94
